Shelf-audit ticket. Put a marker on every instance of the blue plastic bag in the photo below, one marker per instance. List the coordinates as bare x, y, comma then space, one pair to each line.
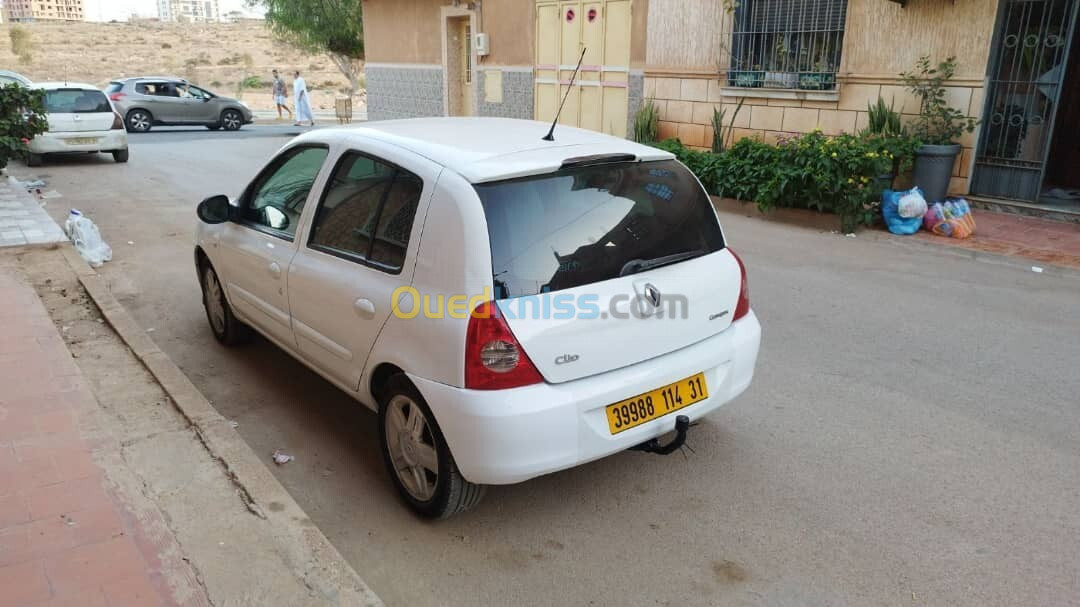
890, 209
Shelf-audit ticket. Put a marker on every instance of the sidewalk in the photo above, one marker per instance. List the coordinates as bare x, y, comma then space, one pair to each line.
1039, 240
66, 538
22, 220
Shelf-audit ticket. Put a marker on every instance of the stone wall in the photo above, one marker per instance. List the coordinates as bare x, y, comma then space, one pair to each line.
404, 91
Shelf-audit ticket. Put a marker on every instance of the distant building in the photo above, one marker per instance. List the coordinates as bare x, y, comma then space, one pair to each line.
26, 11
188, 10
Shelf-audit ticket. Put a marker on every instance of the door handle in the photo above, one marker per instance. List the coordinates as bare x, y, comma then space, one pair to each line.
365, 308
275, 269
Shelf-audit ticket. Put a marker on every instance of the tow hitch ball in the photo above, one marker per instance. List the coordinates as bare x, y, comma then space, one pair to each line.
682, 424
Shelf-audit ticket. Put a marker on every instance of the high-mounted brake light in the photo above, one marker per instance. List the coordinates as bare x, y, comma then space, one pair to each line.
742, 307
494, 360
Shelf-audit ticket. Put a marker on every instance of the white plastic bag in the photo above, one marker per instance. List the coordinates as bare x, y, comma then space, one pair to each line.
911, 205
87, 239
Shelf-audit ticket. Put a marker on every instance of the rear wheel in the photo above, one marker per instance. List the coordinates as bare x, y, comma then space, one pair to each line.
226, 327
231, 120
34, 160
139, 121
120, 155
417, 456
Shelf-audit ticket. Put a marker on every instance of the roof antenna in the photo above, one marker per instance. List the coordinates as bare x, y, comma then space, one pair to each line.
551, 134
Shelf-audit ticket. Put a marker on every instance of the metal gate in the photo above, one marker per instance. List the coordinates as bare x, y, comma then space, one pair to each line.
1027, 66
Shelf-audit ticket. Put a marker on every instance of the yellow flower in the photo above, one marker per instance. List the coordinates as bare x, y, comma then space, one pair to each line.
834, 154
864, 179
850, 180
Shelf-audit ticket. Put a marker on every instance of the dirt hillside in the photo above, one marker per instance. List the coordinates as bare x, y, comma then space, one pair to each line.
218, 56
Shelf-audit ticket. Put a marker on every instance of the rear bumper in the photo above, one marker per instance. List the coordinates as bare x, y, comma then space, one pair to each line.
507, 436
57, 143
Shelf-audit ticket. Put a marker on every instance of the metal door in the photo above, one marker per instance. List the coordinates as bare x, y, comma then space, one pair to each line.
1027, 66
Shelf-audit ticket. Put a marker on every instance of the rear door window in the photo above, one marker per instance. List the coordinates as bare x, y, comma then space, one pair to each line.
367, 212
583, 225
76, 101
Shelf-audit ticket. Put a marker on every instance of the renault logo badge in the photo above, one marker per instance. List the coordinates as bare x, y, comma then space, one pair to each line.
653, 295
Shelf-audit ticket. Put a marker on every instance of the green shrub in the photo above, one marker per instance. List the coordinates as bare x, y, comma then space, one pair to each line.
938, 123
812, 171
647, 123
22, 117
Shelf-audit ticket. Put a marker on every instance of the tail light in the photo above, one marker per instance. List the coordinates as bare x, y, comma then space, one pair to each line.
118, 122
494, 360
117, 96
743, 304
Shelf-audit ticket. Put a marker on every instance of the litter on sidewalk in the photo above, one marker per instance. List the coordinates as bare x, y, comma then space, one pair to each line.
281, 458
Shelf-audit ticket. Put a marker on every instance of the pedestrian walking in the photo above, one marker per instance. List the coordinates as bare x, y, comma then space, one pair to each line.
303, 101
281, 95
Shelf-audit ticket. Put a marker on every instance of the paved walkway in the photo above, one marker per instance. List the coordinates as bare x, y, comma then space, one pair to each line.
65, 538
22, 220
1040, 240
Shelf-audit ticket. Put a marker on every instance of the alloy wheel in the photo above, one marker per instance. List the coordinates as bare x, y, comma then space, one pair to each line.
411, 446
214, 302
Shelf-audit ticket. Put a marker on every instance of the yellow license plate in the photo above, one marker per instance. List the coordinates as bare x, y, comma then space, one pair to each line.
82, 140
646, 407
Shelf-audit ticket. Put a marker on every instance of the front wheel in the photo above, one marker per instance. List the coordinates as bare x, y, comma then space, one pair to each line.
226, 327
417, 456
139, 121
232, 120
120, 156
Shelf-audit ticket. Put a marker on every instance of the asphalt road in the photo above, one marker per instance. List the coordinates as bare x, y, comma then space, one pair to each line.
911, 436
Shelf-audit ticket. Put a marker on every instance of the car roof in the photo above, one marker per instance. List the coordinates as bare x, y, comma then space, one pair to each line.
489, 149
140, 78
14, 76
48, 86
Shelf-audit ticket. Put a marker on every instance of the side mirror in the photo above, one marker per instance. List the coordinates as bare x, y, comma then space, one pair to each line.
215, 209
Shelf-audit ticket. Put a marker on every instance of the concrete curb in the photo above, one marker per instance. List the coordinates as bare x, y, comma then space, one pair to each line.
312, 556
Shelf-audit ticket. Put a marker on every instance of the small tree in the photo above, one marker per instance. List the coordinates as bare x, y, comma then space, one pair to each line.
21, 45
22, 117
938, 123
333, 27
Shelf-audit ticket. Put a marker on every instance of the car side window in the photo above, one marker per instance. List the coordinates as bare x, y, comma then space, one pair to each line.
276, 199
367, 212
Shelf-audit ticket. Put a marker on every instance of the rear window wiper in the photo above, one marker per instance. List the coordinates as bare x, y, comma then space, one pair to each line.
640, 265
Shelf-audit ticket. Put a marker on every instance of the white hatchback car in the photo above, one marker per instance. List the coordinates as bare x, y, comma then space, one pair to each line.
510, 306
81, 119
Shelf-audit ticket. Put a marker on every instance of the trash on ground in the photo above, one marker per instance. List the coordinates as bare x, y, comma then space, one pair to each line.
282, 458
51, 194
234, 424
87, 239
150, 330
903, 210
30, 185
1036, 269
131, 242
952, 219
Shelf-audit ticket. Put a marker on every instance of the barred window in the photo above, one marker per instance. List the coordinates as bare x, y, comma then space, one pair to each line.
787, 44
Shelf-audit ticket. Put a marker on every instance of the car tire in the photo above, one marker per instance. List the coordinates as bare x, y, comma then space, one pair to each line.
232, 120
226, 327
120, 156
139, 121
435, 494
34, 160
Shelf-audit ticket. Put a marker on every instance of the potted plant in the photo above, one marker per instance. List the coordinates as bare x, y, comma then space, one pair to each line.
823, 76
938, 126
781, 79
747, 78
887, 134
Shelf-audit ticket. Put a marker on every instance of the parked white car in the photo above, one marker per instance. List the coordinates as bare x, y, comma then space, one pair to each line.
510, 306
81, 119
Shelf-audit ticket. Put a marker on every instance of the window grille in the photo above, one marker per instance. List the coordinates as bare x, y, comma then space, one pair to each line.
788, 44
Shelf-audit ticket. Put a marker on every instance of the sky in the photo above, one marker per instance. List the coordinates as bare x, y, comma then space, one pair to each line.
107, 10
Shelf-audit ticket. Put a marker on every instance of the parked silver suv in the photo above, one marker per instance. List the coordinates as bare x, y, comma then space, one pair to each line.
144, 102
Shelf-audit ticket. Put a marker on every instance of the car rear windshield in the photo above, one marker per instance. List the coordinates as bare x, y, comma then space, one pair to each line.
114, 87
76, 101
586, 224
